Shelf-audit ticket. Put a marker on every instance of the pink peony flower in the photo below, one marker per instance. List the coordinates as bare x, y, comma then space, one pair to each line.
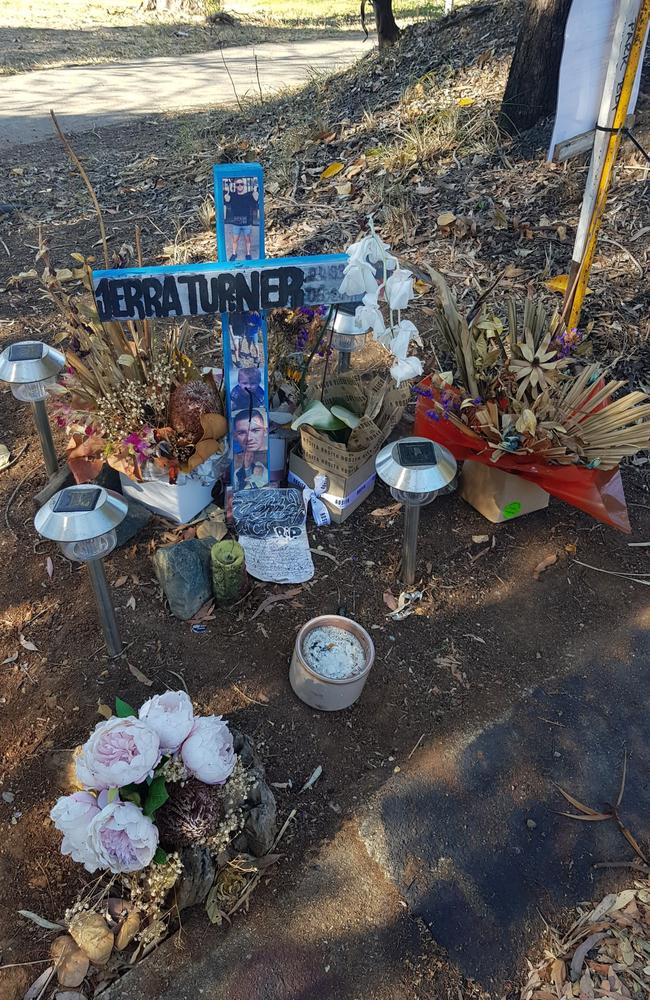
119, 751
208, 751
72, 815
171, 716
123, 838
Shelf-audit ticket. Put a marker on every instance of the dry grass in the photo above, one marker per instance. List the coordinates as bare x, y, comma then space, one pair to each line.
44, 34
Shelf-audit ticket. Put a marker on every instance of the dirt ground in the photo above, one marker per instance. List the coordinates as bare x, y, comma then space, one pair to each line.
482, 606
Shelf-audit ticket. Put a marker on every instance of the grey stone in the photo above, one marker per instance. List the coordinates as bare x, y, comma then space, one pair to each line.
198, 875
137, 518
261, 822
183, 571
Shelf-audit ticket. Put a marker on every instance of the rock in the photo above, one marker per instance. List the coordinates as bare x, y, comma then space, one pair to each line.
70, 962
261, 825
183, 571
198, 875
91, 932
137, 517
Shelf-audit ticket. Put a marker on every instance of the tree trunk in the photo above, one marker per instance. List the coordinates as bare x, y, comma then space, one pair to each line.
531, 90
387, 30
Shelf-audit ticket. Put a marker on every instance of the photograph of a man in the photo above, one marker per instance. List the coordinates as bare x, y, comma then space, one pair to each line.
248, 391
245, 336
251, 444
241, 214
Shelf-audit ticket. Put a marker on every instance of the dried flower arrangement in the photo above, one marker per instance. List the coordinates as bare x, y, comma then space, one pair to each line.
152, 784
517, 399
131, 396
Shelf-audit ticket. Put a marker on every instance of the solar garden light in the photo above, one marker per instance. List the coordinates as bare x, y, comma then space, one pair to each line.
416, 470
82, 519
31, 367
346, 337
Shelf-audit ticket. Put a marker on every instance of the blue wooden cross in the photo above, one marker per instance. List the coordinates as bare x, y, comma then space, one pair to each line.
239, 287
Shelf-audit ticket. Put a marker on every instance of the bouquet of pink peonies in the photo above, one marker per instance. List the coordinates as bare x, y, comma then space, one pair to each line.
147, 786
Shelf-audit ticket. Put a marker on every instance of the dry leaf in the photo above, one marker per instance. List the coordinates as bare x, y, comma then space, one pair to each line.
121, 580
386, 511
466, 102
446, 219
480, 539
4, 456
332, 170
49, 567
70, 962
390, 600
10, 659
90, 931
544, 565
139, 675
343, 190
26, 644
558, 283
104, 710
131, 603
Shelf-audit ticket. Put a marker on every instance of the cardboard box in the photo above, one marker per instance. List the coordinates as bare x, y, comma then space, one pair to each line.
498, 495
344, 494
378, 403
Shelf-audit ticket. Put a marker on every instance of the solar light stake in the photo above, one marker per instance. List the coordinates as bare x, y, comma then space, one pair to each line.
82, 519
416, 470
105, 606
44, 431
30, 368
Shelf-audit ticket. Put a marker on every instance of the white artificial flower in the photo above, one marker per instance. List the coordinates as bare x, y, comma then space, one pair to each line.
208, 751
119, 751
171, 716
399, 289
358, 278
370, 248
406, 368
405, 331
123, 838
369, 317
72, 815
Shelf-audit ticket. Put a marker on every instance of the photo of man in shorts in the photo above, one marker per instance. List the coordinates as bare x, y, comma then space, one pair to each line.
241, 212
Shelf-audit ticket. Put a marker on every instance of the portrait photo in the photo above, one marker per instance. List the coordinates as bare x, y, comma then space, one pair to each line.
241, 218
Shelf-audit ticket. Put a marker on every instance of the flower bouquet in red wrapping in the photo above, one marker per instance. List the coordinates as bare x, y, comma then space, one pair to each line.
518, 402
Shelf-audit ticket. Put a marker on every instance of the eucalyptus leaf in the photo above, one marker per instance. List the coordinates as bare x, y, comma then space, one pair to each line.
317, 415
41, 921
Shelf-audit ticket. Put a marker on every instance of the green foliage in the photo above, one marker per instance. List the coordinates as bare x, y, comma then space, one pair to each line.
123, 710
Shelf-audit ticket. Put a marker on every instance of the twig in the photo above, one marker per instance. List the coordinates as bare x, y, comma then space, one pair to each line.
10, 501
252, 700
415, 747
223, 58
84, 176
259, 85
15, 458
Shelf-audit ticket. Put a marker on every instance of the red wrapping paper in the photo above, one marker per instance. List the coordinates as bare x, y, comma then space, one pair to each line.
594, 491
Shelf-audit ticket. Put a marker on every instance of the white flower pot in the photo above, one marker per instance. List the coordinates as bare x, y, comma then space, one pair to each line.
329, 694
178, 503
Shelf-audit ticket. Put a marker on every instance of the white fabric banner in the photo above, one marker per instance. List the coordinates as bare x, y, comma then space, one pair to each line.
585, 58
